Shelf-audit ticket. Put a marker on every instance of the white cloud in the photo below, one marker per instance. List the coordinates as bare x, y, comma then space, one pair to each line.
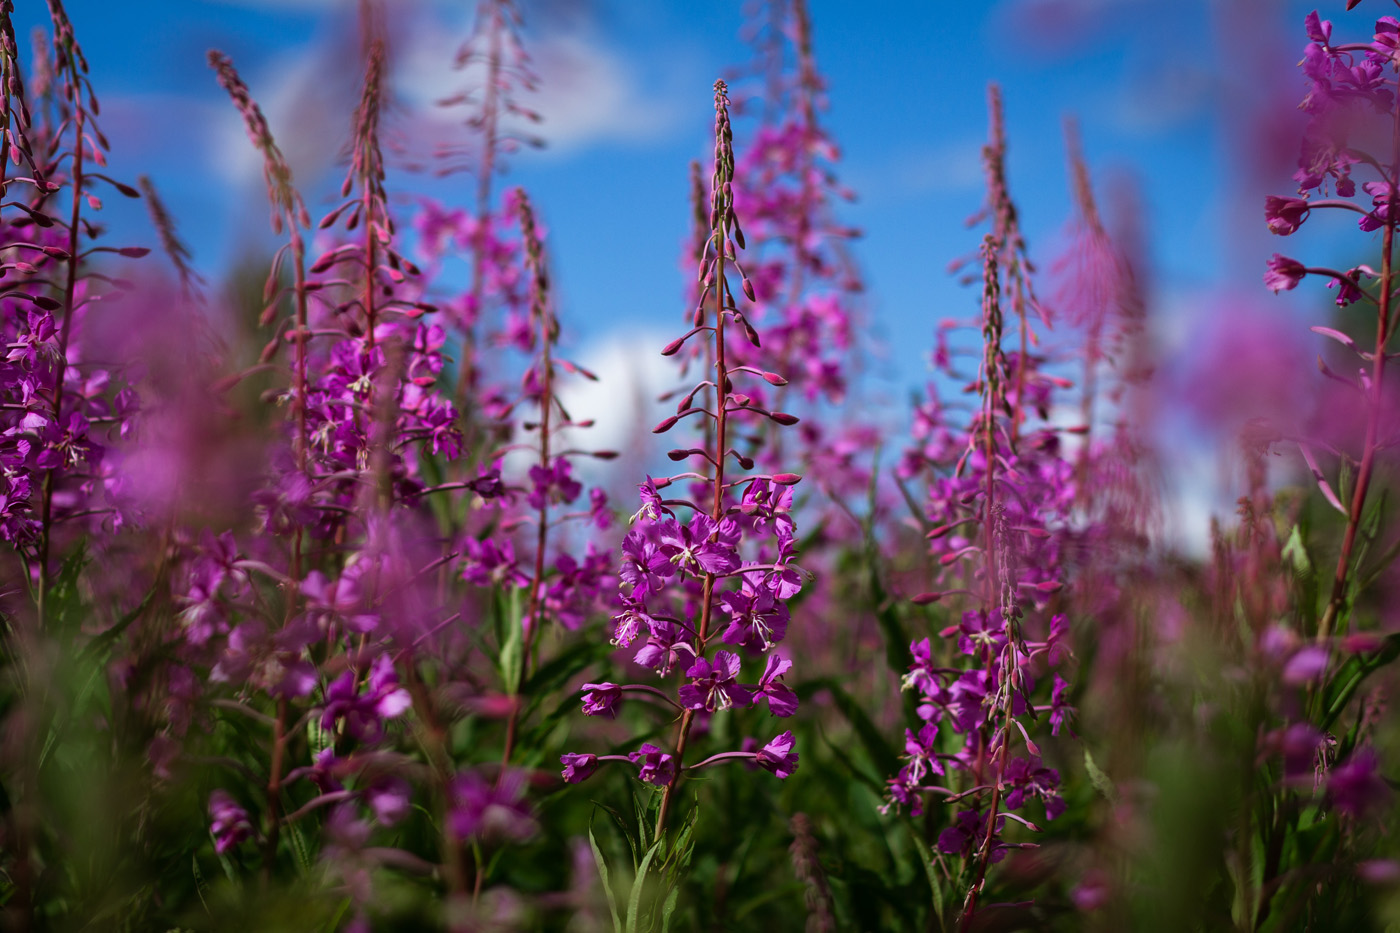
588, 93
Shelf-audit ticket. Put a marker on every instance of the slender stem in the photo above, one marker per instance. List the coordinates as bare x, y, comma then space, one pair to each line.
533, 620
1373, 417
991, 402
274, 791
435, 739
65, 329
723, 203
466, 370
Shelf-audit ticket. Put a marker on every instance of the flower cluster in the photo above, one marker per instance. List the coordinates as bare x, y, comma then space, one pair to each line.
1352, 110
691, 566
61, 405
1000, 496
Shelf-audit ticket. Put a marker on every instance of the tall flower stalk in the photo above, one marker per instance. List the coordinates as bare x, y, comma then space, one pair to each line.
999, 498
1345, 79
496, 52
693, 567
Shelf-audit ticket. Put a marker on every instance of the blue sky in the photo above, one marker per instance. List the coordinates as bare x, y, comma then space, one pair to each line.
1167, 94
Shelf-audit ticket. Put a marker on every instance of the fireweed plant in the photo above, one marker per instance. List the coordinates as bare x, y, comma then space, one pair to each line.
1318, 657
998, 502
374, 607
63, 409
495, 59
305, 578
724, 560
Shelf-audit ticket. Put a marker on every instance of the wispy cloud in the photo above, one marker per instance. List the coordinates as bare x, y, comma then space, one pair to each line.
589, 92
944, 167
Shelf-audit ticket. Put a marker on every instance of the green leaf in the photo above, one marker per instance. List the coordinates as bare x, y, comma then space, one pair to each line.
926, 858
512, 660
301, 848
602, 874
859, 774
1296, 553
669, 908
625, 829
1101, 781
881, 754
317, 738
634, 901
200, 885
103, 640
553, 675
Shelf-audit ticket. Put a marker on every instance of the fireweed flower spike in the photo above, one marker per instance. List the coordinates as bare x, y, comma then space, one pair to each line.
62, 419
560, 586
998, 491
1348, 87
731, 556
495, 53
288, 212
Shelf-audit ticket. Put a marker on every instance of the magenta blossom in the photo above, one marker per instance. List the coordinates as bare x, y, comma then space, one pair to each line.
1283, 273
781, 700
230, 822
1285, 215
601, 699
712, 687
657, 767
578, 768
777, 756
702, 545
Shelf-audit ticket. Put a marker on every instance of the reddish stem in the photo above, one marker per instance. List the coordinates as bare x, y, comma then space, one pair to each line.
1373, 417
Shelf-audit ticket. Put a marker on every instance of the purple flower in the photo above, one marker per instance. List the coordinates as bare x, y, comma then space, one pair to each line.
757, 619
490, 809
918, 748
965, 836
554, 484
768, 503
666, 647
578, 768
777, 756
644, 566
652, 507
1060, 710
1318, 30
691, 549
1284, 215
781, 700
1347, 292
1307, 665
1028, 777
1283, 273
712, 687
601, 699
1355, 786
490, 564
921, 671
230, 822
389, 798
1387, 36
1301, 745
1382, 205
981, 630
488, 484
629, 623
657, 767
364, 714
